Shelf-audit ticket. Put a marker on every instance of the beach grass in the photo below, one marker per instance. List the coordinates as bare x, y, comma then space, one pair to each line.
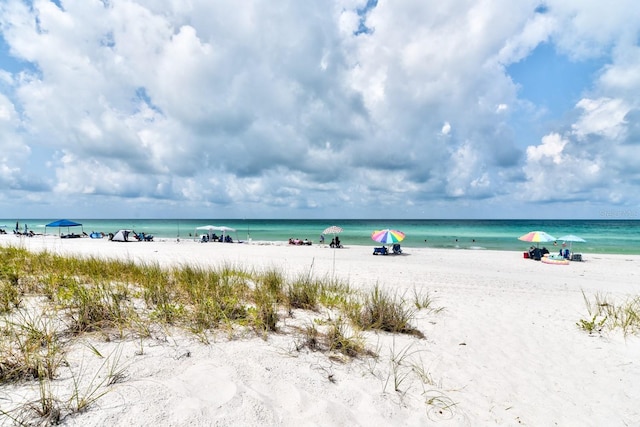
47, 301
384, 311
604, 313
30, 347
304, 293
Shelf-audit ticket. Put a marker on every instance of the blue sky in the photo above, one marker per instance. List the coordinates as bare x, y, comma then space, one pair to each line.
329, 109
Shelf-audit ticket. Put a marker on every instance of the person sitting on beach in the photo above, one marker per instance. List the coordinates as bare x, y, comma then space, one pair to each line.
333, 243
338, 244
531, 252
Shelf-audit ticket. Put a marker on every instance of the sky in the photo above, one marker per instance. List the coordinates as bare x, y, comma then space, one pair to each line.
324, 109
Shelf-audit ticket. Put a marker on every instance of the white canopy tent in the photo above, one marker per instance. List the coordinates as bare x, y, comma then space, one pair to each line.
211, 229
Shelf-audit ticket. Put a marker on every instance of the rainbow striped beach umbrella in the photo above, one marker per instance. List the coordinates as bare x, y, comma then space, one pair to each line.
387, 237
537, 237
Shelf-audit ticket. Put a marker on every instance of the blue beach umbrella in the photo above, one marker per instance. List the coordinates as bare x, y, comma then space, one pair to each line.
571, 238
62, 223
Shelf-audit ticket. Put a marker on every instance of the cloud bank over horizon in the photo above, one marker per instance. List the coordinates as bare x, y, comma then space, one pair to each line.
352, 109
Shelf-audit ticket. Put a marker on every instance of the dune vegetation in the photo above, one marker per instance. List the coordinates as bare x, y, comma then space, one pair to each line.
48, 301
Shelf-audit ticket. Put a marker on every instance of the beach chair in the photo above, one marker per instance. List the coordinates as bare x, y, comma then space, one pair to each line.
380, 251
537, 254
576, 257
396, 249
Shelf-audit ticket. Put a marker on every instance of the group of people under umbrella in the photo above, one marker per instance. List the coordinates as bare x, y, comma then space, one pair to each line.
211, 236
335, 240
386, 237
538, 237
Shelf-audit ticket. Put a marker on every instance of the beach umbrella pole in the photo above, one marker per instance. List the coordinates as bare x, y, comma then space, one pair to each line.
334, 261
334, 231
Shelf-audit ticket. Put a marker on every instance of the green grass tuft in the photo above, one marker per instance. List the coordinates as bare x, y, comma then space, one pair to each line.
386, 312
79, 295
606, 314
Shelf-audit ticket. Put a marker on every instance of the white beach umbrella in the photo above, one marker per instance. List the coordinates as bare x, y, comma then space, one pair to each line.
225, 230
209, 229
334, 229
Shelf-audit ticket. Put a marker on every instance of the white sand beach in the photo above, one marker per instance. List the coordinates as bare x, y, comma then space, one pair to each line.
504, 350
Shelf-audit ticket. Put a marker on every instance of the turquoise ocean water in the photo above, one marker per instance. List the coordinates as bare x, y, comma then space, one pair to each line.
602, 236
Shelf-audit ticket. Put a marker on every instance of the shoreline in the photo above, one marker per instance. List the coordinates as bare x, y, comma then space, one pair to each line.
504, 350
190, 239
601, 236
54, 242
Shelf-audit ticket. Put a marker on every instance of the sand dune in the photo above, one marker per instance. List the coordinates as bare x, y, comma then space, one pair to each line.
505, 349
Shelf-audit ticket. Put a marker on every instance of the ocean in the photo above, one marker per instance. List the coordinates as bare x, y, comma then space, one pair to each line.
602, 236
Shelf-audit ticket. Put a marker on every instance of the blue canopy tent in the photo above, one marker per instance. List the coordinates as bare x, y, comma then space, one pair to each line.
63, 223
